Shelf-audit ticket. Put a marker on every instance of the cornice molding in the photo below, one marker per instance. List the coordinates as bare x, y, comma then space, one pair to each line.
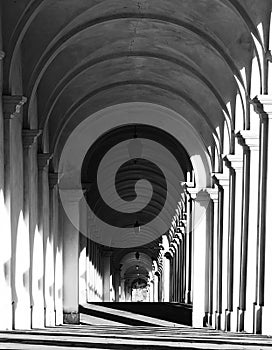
233, 161
213, 192
53, 179
263, 105
43, 160
221, 179
248, 138
2, 55
12, 105
30, 136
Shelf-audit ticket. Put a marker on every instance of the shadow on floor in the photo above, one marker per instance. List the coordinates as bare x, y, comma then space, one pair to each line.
82, 345
108, 316
171, 312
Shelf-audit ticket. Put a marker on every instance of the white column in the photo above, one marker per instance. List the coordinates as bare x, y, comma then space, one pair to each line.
2, 55
23, 264
48, 247
82, 269
261, 220
222, 180
156, 288
235, 236
151, 288
200, 262
11, 110
178, 284
269, 60
250, 141
123, 294
71, 256
56, 232
166, 277
264, 108
188, 247
213, 262
5, 247
83, 255
106, 275
90, 271
117, 281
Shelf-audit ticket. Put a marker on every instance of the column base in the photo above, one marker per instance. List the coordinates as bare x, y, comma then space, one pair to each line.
257, 319
6, 316
49, 317
217, 320
227, 320
38, 315
241, 320
189, 297
232, 320
71, 318
22, 317
209, 319
58, 316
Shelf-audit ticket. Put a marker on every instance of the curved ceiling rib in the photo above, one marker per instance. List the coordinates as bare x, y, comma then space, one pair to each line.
245, 17
55, 47
77, 105
24, 22
60, 87
82, 18
34, 7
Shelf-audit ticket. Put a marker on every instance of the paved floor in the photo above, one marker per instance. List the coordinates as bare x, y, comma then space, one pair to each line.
129, 337
115, 314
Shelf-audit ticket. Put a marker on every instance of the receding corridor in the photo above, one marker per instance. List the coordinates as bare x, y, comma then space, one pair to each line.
136, 174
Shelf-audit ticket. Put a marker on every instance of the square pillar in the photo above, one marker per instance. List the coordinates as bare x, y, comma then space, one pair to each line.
106, 275
15, 232
213, 261
201, 231
44, 231
250, 142
223, 183
263, 309
71, 255
235, 163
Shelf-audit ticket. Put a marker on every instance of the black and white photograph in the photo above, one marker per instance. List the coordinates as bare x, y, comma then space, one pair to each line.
136, 174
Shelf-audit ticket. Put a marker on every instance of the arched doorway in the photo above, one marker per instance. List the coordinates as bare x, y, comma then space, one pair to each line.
178, 253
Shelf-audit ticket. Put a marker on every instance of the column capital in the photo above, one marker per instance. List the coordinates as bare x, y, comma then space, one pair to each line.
193, 191
173, 247
184, 223
43, 160
2, 55
263, 105
186, 184
221, 179
179, 232
168, 255
213, 192
248, 138
176, 240
30, 136
12, 105
198, 194
233, 161
53, 179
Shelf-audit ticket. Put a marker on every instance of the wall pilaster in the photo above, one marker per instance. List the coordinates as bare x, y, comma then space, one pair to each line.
223, 183
263, 308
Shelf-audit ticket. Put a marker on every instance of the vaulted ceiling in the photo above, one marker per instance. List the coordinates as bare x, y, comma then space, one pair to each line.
79, 56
